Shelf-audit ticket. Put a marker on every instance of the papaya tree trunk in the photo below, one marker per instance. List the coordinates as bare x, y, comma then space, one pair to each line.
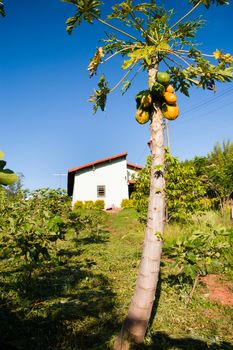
136, 322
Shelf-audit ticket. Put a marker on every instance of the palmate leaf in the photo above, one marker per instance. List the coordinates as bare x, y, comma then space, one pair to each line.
207, 3
87, 10
2, 11
189, 29
122, 10
145, 53
113, 44
99, 97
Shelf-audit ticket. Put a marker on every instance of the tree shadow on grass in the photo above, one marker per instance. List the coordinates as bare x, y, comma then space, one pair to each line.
162, 341
93, 237
77, 314
62, 308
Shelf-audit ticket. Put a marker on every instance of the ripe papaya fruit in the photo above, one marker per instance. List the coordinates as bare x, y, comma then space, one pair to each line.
170, 98
169, 88
170, 112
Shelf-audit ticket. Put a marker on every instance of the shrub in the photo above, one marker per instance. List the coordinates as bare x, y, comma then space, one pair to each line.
99, 204
88, 205
77, 205
127, 203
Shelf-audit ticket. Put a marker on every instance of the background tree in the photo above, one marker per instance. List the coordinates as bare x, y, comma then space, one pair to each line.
216, 172
184, 190
150, 40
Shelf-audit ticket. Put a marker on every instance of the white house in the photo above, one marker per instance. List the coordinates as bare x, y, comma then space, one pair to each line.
109, 179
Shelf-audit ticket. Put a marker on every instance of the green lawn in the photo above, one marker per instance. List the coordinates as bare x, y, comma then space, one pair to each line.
79, 299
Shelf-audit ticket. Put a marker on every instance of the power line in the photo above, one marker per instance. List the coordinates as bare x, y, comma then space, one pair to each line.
209, 112
207, 101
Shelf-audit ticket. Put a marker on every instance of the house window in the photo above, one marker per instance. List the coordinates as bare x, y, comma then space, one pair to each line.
101, 191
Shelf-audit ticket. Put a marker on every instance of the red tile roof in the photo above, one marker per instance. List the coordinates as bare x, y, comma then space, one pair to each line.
134, 166
100, 161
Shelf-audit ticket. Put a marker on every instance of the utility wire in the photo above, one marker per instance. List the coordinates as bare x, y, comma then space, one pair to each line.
204, 114
207, 101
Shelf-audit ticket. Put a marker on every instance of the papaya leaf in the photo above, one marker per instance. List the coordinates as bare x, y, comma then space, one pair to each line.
87, 10
99, 97
2, 164
207, 3
2, 11
95, 61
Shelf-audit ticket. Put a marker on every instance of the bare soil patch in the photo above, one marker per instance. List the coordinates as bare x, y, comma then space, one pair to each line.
217, 290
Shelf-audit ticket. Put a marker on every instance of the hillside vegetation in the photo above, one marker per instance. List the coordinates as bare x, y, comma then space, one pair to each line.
73, 291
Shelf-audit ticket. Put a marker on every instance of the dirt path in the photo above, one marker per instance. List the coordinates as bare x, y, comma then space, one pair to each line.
216, 290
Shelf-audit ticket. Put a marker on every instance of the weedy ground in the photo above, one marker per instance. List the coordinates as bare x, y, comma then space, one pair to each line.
79, 299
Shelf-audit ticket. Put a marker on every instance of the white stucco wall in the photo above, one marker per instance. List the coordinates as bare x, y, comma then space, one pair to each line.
112, 175
130, 172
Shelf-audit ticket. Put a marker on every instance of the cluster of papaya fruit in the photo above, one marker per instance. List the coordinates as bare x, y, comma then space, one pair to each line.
163, 94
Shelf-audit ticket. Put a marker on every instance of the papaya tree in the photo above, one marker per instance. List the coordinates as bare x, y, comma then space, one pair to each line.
147, 38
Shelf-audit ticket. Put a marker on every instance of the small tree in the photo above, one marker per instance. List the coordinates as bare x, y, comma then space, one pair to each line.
184, 190
216, 172
151, 40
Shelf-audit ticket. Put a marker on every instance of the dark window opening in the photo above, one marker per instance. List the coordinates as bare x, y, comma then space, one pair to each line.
100, 191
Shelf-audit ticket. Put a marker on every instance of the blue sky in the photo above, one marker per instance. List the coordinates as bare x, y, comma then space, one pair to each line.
47, 125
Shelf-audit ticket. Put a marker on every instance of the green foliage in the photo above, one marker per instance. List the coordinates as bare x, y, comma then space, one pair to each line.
99, 204
77, 205
79, 298
95, 205
184, 190
156, 41
86, 10
100, 96
216, 171
30, 226
7, 176
91, 220
202, 252
88, 205
127, 203
2, 11
207, 3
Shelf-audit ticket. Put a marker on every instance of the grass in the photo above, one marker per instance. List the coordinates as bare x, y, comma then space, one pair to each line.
80, 298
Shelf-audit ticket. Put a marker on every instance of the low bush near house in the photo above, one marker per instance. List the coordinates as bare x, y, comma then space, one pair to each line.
77, 205
99, 204
93, 205
127, 203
